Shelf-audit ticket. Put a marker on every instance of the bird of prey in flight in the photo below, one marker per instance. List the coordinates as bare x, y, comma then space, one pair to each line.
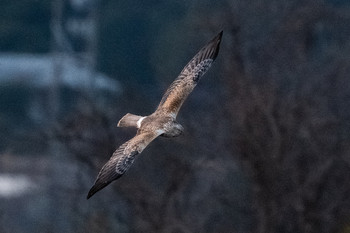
160, 123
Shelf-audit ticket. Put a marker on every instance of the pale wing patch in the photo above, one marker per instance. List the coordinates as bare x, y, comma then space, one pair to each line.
172, 115
121, 160
125, 162
201, 68
184, 84
133, 147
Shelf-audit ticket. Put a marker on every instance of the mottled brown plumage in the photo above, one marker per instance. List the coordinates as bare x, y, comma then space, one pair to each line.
160, 123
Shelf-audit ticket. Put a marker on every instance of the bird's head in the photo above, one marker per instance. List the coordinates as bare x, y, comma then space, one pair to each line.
178, 129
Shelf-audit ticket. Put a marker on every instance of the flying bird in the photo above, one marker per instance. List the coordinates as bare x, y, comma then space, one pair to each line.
160, 123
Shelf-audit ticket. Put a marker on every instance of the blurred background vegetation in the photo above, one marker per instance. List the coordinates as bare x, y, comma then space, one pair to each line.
266, 145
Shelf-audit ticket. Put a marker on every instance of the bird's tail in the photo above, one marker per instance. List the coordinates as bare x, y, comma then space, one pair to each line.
130, 120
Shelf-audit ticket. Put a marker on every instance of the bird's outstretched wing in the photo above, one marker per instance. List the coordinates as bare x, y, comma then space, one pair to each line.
189, 77
121, 160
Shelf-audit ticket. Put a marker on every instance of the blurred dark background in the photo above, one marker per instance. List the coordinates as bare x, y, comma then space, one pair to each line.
267, 143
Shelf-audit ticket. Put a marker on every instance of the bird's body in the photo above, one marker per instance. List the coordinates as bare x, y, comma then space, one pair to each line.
166, 124
160, 123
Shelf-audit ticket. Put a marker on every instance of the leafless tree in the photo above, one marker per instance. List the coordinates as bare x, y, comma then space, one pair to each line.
282, 116
289, 130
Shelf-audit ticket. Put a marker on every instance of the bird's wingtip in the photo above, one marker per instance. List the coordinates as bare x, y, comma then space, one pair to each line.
97, 187
215, 44
219, 36
91, 192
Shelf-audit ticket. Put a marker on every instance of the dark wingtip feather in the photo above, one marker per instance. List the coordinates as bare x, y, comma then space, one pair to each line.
211, 50
217, 38
103, 179
220, 35
96, 187
217, 41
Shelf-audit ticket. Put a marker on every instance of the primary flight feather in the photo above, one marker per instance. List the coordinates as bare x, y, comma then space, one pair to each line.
160, 123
